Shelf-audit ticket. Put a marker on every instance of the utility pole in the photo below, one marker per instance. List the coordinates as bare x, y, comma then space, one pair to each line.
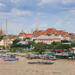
6, 35
6, 26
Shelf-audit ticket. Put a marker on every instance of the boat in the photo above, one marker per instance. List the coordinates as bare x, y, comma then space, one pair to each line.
37, 62
10, 59
49, 57
61, 57
4, 56
52, 59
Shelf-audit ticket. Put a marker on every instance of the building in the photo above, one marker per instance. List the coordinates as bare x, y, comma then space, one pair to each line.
22, 35
50, 31
64, 37
47, 39
29, 35
5, 42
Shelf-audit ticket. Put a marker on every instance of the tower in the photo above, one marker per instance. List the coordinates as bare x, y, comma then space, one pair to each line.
6, 37
36, 27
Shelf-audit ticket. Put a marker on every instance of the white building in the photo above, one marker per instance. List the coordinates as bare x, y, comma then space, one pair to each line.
47, 39
64, 38
3, 42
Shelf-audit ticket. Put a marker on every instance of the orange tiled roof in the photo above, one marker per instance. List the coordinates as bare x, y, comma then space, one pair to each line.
50, 31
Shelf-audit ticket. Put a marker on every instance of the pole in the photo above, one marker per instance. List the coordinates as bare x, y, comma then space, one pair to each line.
6, 36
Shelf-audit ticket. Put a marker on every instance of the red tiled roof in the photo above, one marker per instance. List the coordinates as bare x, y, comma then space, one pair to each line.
49, 30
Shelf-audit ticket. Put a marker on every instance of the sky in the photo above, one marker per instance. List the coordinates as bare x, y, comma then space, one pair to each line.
42, 14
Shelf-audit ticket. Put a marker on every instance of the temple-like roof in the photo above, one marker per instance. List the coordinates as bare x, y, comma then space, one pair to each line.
22, 32
1, 32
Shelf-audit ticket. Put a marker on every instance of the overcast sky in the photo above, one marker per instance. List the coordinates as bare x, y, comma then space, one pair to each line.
41, 14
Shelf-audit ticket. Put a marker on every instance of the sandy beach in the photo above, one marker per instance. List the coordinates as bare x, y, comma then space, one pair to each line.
21, 67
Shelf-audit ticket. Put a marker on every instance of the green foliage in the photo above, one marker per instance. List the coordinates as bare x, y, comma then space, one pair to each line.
20, 50
16, 41
55, 43
1, 47
50, 46
17, 50
31, 43
40, 47
64, 41
73, 44
59, 45
13, 50
27, 38
65, 46
1, 37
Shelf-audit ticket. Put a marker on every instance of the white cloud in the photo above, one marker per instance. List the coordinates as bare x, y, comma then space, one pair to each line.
59, 23
20, 12
43, 25
2, 5
72, 12
43, 2
16, 12
68, 1
39, 26
15, 1
41, 14
67, 21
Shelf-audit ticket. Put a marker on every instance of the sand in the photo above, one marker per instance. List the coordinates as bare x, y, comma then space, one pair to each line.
21, 67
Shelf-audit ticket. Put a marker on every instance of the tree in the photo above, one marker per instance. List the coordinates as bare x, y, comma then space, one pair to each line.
17, 49
73, 44
13, 49
31, 43
15, 43
65, 46
40, 47
27, 38
1, 37
59, 45
64, 41
55, 43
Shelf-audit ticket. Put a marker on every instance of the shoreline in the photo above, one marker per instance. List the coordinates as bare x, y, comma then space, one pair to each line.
21, 67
